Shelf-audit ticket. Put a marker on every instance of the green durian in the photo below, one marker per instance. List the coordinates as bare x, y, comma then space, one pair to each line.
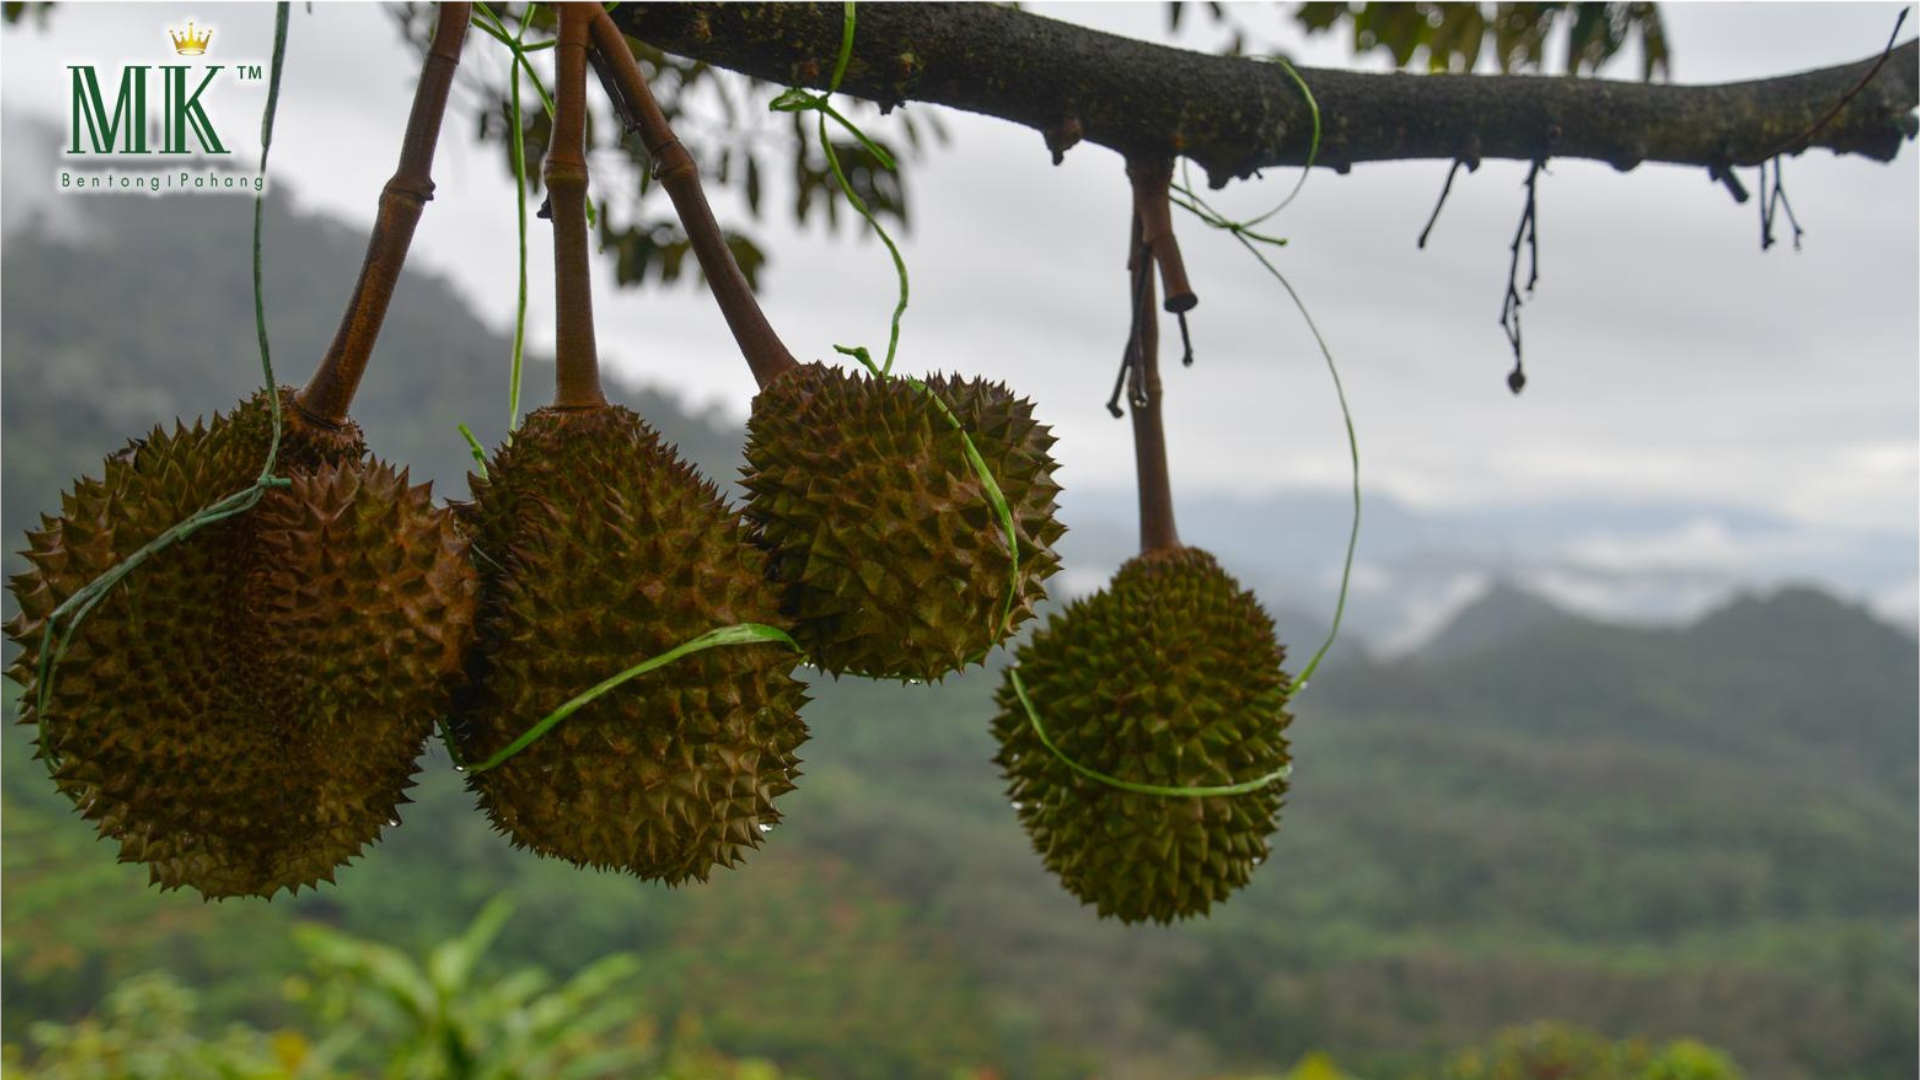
1170, 676
244, 711
892, 560
600, 548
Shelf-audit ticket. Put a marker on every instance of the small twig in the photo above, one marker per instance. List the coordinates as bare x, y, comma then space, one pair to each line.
1445, 190
1772, 202
1724, 176
1528, 234
1799, 142
1140, 265
1152, 178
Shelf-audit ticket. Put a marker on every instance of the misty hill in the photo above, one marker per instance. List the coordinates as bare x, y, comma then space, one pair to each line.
1705, 830
1795, 676
1501, 614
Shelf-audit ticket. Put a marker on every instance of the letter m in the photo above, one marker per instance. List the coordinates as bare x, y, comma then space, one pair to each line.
127, 124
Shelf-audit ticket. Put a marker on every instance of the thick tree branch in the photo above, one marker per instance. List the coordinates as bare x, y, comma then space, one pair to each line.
1232, 116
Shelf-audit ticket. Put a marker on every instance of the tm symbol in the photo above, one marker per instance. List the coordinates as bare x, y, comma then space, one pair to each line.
248, 72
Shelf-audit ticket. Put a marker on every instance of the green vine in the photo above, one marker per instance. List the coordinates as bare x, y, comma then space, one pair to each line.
797, 99
1243, 232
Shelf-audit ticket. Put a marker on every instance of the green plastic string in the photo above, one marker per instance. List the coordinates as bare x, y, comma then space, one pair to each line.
1251, 240
738, 634
520, 211
1313, 148
496, 28
473, 447
1164, 790
797, 99
492, 25
75, 609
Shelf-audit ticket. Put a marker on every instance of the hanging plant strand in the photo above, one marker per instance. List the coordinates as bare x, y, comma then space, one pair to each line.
1527, 234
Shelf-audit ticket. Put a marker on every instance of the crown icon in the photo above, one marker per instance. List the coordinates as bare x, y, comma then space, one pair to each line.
188, 45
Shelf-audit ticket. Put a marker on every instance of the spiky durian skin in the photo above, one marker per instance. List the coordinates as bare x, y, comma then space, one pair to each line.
1170, 676
892, 561
243, 712
600, 548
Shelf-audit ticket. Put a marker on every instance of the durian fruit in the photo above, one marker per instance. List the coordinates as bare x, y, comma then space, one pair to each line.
601, 548
243, 711
1170, 676
894, 563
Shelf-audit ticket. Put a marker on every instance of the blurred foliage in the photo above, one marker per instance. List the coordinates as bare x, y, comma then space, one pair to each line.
145, 1031
1558, 1052
721, 117
1450, 37
387, 1015
435, 1021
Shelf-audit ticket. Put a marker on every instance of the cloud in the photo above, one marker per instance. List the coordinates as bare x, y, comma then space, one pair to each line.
1701, 544
1899, 604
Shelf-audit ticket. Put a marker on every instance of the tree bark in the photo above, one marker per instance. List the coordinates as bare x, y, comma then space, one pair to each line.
1232, 116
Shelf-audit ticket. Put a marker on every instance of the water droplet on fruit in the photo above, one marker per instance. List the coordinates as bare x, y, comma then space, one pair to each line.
765, 828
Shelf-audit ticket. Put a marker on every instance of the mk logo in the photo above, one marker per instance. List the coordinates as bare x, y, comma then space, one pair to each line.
181, 115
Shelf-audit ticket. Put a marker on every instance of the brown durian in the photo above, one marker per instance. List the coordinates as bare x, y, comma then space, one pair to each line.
1171, 676
243, 712
893, 562
600, 548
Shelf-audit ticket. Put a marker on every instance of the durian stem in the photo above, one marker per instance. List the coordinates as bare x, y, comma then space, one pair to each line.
328, 394
577, 380
1157, 531
1152, 177
674, 167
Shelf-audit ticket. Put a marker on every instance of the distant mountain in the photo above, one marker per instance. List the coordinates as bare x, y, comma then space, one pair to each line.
1503, 613
1791, 676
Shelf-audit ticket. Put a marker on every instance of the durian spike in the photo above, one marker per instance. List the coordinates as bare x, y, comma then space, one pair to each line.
1152, 177
330, 391
577, 379
674, 167
1157, 530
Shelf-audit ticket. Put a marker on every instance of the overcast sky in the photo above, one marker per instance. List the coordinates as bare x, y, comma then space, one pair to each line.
1669, 359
